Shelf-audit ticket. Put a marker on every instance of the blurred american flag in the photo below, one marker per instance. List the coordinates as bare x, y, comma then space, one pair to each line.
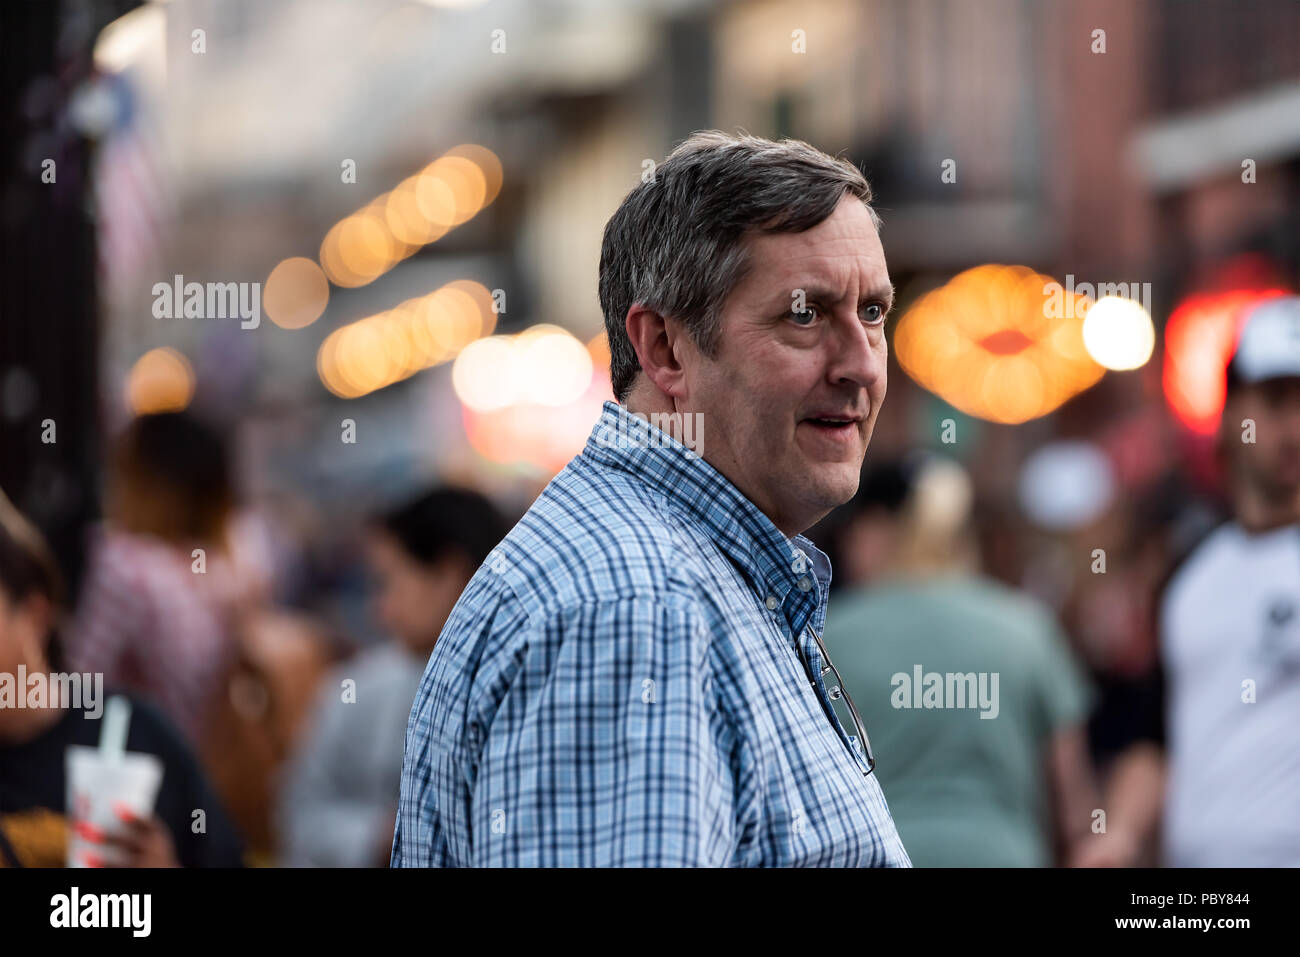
132, 196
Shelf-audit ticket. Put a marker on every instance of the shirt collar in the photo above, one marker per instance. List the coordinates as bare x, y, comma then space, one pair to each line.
788, 574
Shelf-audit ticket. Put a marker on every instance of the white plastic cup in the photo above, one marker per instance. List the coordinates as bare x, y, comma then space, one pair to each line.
102, 779
96, 786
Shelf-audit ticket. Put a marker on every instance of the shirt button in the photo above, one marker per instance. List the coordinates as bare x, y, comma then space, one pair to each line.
805, 583
771, 603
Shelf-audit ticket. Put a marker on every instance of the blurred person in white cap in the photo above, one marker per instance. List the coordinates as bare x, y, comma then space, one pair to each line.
1230, 626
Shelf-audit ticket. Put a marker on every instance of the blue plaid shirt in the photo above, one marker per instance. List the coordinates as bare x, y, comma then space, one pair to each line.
618, 685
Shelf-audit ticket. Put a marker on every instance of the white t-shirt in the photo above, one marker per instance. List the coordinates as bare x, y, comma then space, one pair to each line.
1230, 633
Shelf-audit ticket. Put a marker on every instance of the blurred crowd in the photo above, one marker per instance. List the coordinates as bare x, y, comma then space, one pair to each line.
285, 731
282, 719
1062, 603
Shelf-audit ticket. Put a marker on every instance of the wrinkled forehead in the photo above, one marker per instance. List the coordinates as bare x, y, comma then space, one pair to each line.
842, 253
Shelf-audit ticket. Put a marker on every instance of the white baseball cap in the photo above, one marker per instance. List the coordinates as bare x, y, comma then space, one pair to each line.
1269, 345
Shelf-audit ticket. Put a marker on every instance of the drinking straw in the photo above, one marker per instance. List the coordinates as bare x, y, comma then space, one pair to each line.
117, 719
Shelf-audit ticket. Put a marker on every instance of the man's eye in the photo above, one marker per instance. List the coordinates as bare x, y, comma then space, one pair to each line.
874, 313
803, 317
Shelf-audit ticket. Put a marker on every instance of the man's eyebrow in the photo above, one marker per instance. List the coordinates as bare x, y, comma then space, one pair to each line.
883, 294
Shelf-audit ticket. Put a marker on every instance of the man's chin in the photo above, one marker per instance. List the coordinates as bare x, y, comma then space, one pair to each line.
834, 483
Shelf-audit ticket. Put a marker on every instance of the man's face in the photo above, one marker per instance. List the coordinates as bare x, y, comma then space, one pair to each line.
784, 367
1272, 462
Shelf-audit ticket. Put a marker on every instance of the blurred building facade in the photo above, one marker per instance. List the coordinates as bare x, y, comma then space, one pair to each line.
1090, 139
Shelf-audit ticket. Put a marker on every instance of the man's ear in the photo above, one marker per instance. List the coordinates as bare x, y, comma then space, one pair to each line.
657, 340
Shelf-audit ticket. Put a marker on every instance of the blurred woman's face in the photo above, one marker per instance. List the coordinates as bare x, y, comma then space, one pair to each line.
413, 600
22, 627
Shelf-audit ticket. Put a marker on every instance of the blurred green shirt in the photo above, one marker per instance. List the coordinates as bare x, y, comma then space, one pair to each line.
960, 682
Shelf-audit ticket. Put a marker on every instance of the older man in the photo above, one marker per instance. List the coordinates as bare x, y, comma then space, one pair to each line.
635, 676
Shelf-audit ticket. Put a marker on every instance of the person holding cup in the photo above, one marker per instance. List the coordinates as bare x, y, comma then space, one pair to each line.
37, 731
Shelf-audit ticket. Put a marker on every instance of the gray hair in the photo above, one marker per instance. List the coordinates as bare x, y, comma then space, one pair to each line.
676, 244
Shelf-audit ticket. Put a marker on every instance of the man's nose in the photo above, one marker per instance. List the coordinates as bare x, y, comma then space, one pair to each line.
854, 359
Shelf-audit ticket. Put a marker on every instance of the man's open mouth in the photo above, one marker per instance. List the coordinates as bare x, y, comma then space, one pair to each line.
836, 428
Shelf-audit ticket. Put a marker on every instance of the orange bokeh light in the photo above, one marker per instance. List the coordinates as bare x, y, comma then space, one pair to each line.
377, 351
422, 208
546, 437
296, 293
488, 164
162, 380
1002, 343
